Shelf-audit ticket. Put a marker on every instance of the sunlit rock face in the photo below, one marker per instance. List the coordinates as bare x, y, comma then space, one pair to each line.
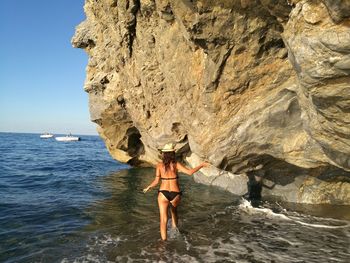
235, 82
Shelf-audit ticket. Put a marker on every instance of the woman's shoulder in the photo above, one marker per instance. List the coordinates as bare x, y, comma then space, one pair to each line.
178, 164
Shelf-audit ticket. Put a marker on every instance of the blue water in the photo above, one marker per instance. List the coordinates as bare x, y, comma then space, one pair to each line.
70, 202
45, 186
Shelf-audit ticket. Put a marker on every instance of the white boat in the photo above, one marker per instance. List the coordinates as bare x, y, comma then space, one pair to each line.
67, 138
46, 135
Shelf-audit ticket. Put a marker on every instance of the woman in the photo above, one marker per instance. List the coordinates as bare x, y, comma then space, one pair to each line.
169, 191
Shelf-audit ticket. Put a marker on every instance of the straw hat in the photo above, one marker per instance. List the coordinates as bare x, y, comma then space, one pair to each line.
169, 147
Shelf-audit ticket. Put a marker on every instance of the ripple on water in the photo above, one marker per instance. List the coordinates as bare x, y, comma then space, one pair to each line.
73, 203
214, 227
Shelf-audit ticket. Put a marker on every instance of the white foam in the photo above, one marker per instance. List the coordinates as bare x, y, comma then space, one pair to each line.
289, 242
173, 233
236, 251
320, 225
104, 241
247, 207
163, 254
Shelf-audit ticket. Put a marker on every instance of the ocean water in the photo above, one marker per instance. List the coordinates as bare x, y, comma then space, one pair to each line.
70, 202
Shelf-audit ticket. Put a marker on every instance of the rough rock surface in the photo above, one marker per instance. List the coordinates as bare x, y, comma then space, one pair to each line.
238, 83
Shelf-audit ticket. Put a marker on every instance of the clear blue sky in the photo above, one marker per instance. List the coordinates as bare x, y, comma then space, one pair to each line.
41, 74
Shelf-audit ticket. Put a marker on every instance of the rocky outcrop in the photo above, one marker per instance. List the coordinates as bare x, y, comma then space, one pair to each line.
238, 83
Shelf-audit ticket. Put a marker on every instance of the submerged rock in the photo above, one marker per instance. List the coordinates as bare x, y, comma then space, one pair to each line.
238, 83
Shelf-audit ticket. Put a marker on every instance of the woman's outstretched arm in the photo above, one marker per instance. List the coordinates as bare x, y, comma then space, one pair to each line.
155, 181
189, 171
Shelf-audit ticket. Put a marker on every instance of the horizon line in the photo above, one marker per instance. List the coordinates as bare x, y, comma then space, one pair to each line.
90, 134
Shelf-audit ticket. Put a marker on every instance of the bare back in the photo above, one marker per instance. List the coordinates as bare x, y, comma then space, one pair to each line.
168, 178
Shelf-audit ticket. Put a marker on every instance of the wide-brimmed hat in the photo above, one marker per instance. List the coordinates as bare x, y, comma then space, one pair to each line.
169, 147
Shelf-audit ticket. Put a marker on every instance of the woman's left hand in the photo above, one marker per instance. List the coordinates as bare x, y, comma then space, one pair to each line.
205, 164
145, 190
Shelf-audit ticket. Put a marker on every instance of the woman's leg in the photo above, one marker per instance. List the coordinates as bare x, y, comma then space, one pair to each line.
163, 211
174, 203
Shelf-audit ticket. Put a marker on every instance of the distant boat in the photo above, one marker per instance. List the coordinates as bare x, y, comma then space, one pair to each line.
46, 135
67, 138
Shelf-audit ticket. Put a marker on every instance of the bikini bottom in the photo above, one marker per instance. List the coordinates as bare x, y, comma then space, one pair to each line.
170, 195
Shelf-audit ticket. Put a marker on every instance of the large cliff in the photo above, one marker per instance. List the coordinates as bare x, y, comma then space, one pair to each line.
237, 83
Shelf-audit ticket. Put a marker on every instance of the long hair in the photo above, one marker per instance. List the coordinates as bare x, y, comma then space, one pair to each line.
168, 158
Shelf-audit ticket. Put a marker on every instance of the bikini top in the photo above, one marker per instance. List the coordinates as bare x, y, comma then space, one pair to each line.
171, 178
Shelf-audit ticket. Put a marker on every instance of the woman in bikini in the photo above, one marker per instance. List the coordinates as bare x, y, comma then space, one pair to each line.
169, 191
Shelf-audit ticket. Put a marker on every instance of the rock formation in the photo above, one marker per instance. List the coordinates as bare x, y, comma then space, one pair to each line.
237, 83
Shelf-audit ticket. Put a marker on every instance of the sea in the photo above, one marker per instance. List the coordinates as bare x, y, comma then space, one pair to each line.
71, 202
